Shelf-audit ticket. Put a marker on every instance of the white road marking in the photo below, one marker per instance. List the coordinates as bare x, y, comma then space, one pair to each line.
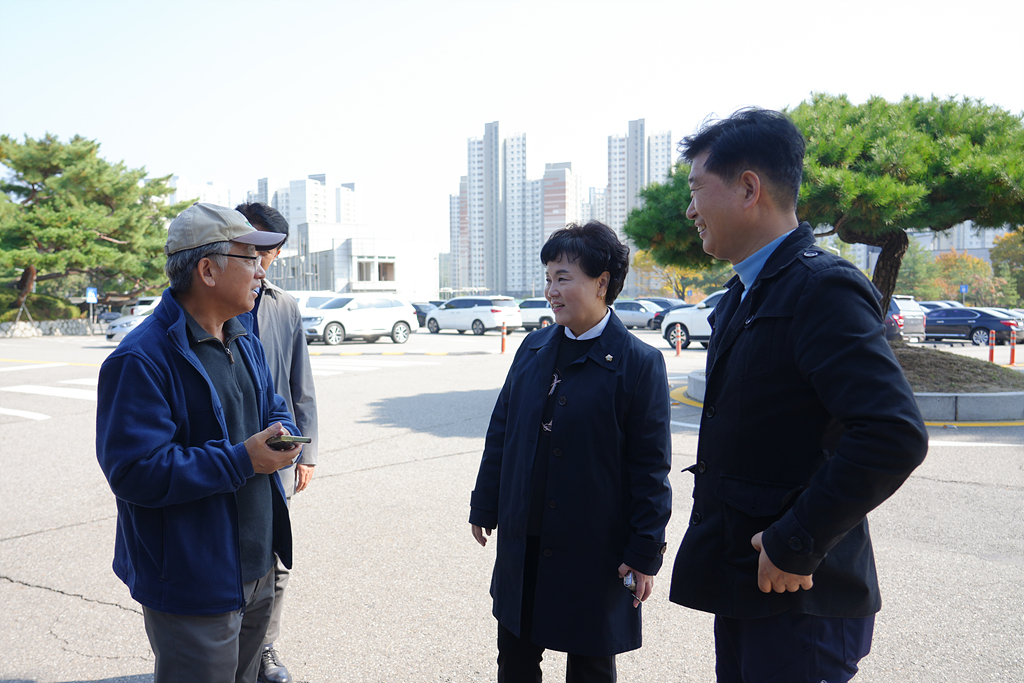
88, 381
57, 392
328, 367
685, 424
32, 367
939, 442
28, 415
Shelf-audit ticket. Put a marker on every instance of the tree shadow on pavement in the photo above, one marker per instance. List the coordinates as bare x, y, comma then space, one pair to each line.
448, 414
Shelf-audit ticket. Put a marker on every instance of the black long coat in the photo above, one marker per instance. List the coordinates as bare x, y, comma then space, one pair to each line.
607, 478
808, 425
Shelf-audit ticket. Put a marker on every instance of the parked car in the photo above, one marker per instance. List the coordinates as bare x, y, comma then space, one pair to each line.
665, 303
144, 305
422, 309
693, 322
107, 316
308, 299
932, 305
477, 313
905, 319
656, 321
536, 311
367, 316
636, 313
969, 323
123, 325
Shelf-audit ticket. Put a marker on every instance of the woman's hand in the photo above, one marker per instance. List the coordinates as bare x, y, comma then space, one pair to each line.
644, 584
478, 534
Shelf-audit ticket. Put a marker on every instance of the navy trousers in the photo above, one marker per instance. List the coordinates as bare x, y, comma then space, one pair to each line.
791, 648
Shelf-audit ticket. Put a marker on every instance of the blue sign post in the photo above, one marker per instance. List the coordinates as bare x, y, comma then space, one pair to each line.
963, 292
91, 298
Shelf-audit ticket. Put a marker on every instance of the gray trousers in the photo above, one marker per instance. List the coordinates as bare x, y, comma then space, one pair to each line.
215, 648
281, 573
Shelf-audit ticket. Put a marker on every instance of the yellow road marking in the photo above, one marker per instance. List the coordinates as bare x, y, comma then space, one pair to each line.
679, 394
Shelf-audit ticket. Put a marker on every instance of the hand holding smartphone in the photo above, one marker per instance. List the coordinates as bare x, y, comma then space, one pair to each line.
286, 442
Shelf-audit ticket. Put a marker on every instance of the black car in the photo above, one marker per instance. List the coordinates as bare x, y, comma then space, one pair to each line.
656, 321
905, 319
972, 324
421, 312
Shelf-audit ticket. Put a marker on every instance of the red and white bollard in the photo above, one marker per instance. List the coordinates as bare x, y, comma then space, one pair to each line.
504, 332
544, 323
1013, 347
991, 346
679, 339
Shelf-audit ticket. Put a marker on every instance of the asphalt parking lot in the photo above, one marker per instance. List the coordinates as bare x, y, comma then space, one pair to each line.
388, 583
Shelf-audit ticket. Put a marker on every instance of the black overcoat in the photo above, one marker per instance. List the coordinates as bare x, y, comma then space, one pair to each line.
608, 496
808, 425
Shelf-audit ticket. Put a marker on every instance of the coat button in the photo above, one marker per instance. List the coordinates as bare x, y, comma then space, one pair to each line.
747, 322
709, 411
547, 552
795, 544
810, 254
695, 518
557, 452
702, 467
561, 400
552, 504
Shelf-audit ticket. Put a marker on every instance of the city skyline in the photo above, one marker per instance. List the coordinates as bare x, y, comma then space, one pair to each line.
384, 94
500, 218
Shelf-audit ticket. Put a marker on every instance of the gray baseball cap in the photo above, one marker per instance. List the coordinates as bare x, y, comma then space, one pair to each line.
202, 224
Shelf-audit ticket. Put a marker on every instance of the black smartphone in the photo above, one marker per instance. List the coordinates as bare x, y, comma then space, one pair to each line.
286, 442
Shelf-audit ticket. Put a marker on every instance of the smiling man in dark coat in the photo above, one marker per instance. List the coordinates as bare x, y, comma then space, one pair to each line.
808, 423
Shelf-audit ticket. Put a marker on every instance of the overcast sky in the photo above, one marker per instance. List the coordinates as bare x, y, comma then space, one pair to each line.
385, 93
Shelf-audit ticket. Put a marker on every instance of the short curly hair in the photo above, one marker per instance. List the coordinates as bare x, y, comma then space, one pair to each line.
596, 248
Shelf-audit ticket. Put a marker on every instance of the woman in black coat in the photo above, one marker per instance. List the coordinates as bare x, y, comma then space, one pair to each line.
574, 472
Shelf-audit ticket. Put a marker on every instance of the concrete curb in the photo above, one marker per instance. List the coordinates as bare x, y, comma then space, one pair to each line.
935, 407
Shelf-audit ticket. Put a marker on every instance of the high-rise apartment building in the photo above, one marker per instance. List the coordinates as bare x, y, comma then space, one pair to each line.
615, 193
561, 199
458, 217
659, 157
520, 228
636, 164
485, 214
345, 203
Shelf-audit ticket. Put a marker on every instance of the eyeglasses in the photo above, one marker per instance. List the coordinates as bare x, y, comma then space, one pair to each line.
251, 259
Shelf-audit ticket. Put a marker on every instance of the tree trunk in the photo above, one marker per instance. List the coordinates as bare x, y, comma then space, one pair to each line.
887, 267
25, 285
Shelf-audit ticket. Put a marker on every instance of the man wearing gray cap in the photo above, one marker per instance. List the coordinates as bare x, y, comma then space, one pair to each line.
186, 406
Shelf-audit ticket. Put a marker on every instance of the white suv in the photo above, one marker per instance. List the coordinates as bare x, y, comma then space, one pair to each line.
370, 316
477, 313
693, 322
535, 312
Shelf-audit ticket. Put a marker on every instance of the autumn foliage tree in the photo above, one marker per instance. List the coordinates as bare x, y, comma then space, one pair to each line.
1007, 256
675, 281
64, 210
983, 288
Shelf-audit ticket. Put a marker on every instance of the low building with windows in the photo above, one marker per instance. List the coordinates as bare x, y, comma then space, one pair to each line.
347, 258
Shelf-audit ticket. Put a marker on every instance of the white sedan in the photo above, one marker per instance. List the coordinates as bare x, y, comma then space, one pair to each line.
692, 320
635, 313
122, 326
